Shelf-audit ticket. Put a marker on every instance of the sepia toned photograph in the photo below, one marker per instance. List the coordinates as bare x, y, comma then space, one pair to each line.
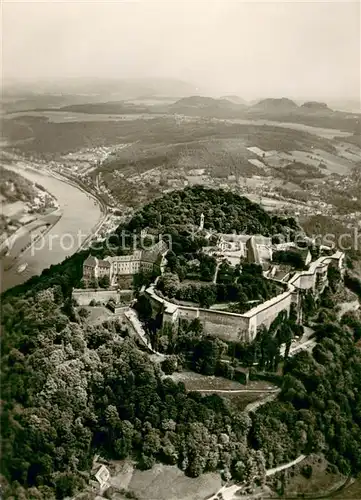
180, 250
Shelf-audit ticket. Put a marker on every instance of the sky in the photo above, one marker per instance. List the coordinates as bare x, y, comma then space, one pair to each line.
253, 49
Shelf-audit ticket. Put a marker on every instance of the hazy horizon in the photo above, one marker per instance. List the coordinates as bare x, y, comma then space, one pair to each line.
303, 50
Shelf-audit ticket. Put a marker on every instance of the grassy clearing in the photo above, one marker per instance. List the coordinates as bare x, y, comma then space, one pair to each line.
98, 314
197, 382
216, 385
321, 481
162, 482
352, 492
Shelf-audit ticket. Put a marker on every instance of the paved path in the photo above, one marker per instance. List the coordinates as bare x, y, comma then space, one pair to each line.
216, 273
232, 492
238, 391
271, 472
226, 493
251, 407
139, 330
306, 343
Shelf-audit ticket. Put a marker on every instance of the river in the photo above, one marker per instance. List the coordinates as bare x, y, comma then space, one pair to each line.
80, 214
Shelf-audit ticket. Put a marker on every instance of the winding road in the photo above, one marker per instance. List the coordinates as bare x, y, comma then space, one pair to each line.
232, 492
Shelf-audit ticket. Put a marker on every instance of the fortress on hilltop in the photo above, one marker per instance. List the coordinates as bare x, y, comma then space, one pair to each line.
236, 249
243, 327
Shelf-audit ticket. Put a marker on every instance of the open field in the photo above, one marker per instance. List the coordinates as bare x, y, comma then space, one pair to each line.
323, 480
238, 394
132, 158
162, 482
97, 314
197, 382
352, 492
320, 131
66, 135
55, 116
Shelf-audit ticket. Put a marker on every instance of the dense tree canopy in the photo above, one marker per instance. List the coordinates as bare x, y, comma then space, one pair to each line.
224, 212
71, 388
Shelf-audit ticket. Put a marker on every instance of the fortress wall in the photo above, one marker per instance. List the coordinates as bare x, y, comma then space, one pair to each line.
304, 281
188, 313
170, 316
156, 302
83, 297
226, 326
235, 327
270, 312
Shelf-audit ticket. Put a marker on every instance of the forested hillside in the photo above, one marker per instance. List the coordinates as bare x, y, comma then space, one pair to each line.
71, 389
14, 187
224, 211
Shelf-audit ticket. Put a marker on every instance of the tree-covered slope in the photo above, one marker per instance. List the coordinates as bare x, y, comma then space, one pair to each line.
224, 211
14, 187
70, 389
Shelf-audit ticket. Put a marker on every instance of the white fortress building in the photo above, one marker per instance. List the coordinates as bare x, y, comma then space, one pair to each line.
233, 247
120, 266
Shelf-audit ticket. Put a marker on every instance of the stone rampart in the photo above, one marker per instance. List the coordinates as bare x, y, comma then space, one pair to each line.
243, 327
226, 325
84, 297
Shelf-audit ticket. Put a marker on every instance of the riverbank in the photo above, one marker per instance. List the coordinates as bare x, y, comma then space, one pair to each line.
82, 216
104, 208
73, 181
17, 248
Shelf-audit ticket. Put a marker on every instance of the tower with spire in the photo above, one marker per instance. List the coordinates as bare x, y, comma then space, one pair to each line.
201, 223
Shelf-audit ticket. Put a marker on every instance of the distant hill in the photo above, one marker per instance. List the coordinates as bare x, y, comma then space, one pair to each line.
315, 106
207, 107
106, 87
235, 99
312, 113
282, 105
198, 101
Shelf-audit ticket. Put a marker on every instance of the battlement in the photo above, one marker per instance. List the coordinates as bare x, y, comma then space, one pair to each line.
243, 327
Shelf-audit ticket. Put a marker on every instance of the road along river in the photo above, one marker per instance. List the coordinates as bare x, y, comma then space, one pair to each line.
81, 214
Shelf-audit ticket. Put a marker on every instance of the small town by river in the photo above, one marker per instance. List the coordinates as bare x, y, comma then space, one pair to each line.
81, 213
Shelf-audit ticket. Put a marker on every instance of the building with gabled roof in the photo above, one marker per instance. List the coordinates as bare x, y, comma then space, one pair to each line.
115, 267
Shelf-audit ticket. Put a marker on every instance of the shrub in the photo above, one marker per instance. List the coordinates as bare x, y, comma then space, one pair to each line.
306, 471
169, 365
83, 313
